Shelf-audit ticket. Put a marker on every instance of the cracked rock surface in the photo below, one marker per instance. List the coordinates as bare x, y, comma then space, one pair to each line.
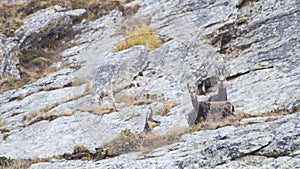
101, 92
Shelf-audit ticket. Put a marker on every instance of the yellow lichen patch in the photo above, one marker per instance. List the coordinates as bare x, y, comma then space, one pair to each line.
141, 35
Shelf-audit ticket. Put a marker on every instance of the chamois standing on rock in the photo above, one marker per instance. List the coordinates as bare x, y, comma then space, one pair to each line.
150, 122
212, 109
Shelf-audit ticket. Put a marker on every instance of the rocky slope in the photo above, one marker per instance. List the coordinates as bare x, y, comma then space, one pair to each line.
101, 92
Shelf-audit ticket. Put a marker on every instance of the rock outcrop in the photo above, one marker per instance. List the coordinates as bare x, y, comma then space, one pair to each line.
101, 92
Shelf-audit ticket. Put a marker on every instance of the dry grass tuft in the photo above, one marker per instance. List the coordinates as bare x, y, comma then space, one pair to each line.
216, 122
130, 99
131, 142
43, 115
168, 105
20, 164
140, 35
10, 17
11, 83
104, 109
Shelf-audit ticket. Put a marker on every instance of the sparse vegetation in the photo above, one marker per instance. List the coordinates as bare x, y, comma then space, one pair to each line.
39, 116
140, 35
168, 105
104, 109
131, 142
11, 83
229, 120
129, 99
11, 14
82, 153
8, 163
34, 62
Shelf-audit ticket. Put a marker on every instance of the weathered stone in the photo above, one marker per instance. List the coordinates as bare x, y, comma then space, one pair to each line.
49, 138
254, 40
224, 147
44, 23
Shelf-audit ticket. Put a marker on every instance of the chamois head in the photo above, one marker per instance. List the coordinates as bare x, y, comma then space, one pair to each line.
150, 122
222, 91
193, 90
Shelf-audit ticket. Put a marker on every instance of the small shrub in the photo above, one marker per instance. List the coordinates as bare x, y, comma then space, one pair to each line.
141, 35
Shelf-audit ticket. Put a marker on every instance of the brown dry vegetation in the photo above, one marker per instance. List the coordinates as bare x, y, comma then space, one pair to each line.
132, 99
131, 142
6, 163
168, 105
11, 14
103, 109
11, 83
37, 117
228, 121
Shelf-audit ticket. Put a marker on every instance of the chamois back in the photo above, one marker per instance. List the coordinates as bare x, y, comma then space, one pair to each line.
214, 110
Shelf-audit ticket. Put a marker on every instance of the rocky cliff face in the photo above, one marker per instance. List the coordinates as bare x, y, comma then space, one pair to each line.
101, 93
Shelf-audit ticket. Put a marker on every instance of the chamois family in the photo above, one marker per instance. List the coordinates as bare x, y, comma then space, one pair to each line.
217, 106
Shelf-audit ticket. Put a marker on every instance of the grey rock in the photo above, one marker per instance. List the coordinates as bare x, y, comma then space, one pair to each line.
49, 138
225, 147
256, 43
121, 67
37, 30
7, 64
44, 23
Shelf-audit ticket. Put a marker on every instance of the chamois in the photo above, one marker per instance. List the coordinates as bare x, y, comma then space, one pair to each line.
150, 122
222, 91
206, 108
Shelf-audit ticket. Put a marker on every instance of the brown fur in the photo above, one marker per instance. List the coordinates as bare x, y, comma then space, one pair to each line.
203, 109
221, 109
